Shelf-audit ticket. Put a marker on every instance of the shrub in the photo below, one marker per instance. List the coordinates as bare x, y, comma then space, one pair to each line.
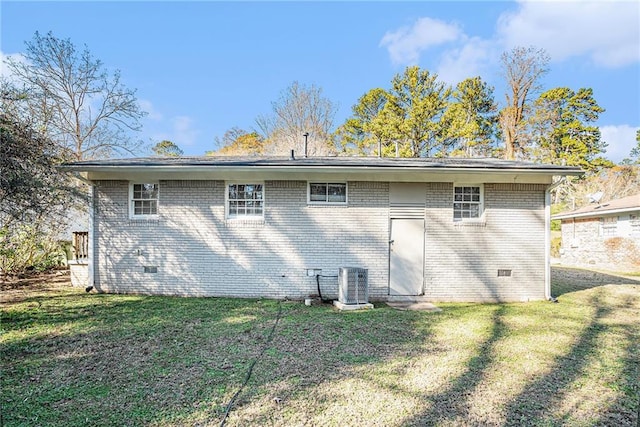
28, 248
556, 244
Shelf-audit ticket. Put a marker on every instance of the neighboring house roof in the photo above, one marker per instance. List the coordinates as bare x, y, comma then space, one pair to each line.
370, 168
625, 204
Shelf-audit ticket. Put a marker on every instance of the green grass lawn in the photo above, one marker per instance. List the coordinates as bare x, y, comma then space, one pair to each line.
75, 359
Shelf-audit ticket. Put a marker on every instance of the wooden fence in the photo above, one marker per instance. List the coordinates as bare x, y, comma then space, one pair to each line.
81, 245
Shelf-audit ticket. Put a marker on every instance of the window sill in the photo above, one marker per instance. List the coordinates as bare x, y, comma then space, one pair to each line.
248, 222
144, 217
470, 223
326, 205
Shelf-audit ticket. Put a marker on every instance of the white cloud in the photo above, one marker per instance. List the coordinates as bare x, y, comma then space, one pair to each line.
462, 57
406, 43
182, 132
469, 60
183, 129
621, 140
5, 72
152, 113
606, 31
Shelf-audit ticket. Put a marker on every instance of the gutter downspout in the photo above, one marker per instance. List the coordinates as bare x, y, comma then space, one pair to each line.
92, 194
547, 237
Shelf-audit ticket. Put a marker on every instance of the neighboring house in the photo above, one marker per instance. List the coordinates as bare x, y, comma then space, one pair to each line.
450, 229
605, 235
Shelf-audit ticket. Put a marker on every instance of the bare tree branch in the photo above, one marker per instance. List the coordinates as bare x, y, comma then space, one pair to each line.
523, 68
78, 104
299, 110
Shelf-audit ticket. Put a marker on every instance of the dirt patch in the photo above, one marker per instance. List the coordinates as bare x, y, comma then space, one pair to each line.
16, 290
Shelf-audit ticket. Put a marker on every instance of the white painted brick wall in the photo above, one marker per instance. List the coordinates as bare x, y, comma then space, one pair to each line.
198, 252
79, 273
462, 260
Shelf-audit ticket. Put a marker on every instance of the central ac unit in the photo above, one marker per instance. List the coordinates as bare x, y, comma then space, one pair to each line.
353, 286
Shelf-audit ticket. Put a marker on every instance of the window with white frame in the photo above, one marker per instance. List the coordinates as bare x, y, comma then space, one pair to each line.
327, 193
609, 226
467, 202
144, 200
245, 200
634, 220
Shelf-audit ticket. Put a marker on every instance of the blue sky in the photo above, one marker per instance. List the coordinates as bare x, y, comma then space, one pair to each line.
201, 68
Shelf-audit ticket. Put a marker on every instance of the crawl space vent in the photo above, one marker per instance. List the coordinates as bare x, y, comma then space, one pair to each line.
150, 269
504, 273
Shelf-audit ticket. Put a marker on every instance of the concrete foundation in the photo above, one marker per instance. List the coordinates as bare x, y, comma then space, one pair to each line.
348, 307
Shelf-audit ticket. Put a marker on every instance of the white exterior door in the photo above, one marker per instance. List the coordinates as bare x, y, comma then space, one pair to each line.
406, 257
407, 202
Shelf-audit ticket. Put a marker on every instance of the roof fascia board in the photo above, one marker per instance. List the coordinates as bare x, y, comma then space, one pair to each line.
400, 175
595, 214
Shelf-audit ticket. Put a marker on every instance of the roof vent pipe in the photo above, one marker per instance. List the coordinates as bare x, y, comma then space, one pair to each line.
306, 134
292, 156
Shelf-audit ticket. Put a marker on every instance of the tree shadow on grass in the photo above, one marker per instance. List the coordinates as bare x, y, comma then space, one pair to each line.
184, 371
630, 371
569, 279
528, 406
450, 404
541, 401
327, 354
154, 356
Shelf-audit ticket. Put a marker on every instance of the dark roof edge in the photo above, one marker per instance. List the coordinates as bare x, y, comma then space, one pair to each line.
318, 164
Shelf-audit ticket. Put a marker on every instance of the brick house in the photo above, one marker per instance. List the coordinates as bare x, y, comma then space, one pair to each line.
605, 235
449, 229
